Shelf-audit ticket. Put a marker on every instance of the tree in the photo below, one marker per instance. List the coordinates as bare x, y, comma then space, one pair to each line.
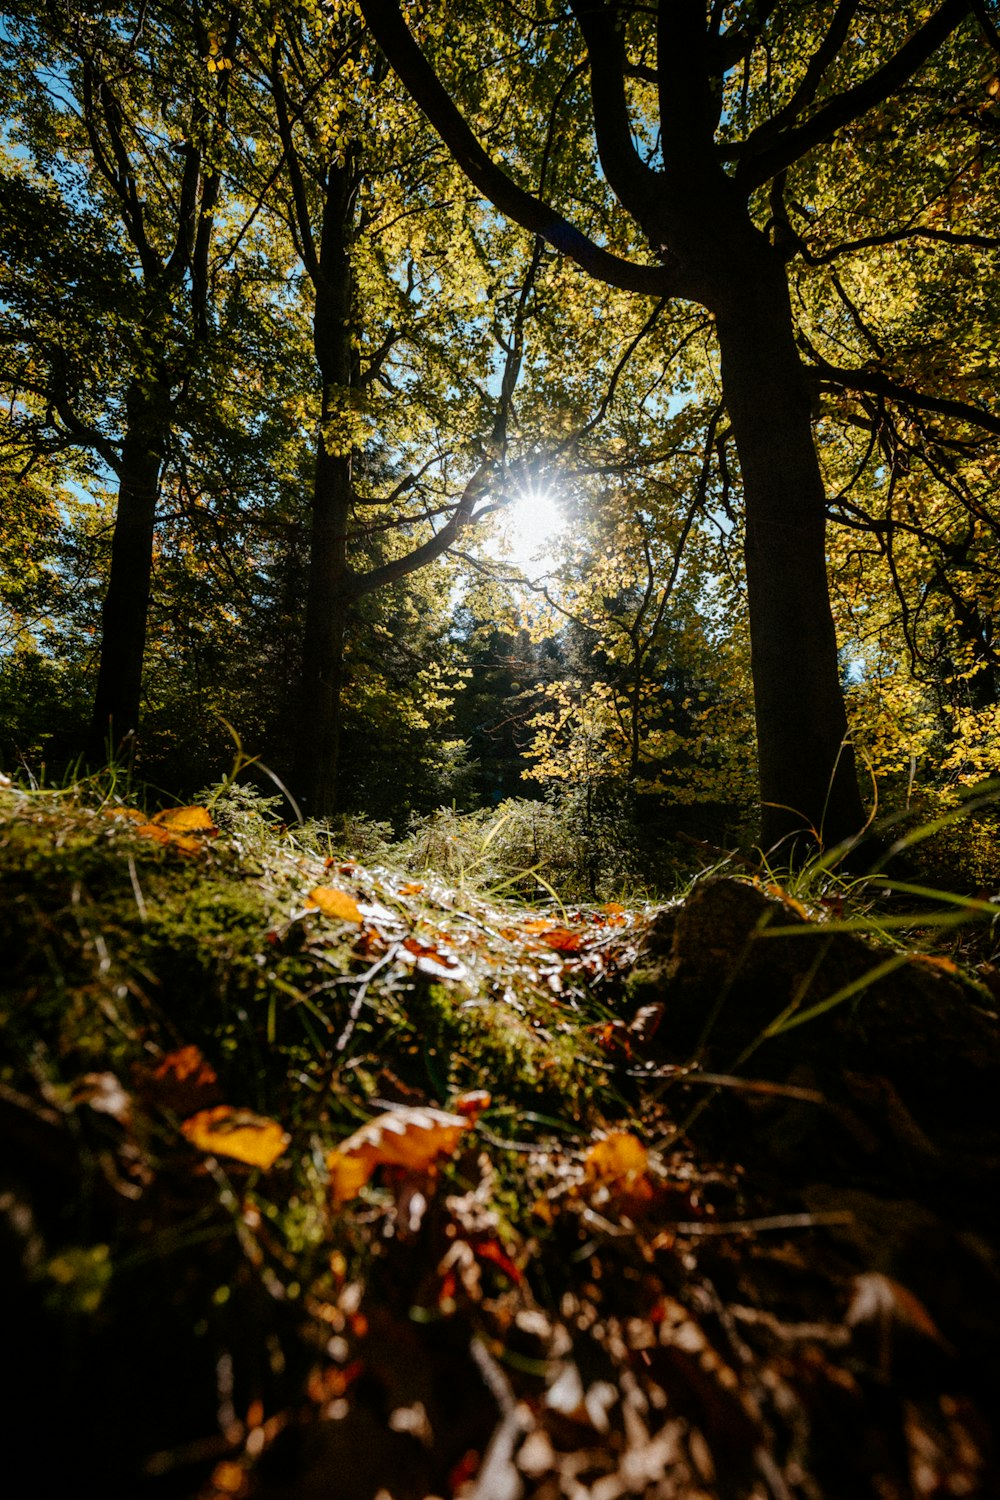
120, 120
394, 364
671, 88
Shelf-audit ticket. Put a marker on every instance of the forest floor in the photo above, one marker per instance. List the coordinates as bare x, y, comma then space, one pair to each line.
324, 1179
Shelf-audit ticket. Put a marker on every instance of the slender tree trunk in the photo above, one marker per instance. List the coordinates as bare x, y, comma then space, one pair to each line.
808, 778
327, 595
126, 603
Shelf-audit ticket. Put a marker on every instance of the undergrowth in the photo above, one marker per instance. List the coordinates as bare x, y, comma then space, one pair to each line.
135, 950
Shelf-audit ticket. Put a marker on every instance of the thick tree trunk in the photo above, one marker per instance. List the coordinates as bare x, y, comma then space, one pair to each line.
808, 778
126, 603
327, 596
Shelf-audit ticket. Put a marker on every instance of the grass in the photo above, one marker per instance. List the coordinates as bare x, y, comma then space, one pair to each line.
129, 942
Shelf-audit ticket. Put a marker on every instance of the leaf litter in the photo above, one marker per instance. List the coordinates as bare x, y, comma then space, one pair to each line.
430, 1151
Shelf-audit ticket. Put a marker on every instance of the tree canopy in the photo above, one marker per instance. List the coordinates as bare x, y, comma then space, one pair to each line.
296, 309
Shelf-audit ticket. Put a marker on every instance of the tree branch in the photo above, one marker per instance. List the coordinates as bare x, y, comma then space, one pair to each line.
395, 39
689, 112
877, 384
303, 221
760, 161
630, 178
893, 236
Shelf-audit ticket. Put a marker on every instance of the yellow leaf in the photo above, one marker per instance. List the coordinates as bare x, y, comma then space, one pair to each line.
185, 820
412, 1138
239, 1133
334, 903
618, 1161
348, 1175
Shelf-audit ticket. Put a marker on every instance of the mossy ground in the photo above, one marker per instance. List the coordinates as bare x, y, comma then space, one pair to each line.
576, 1293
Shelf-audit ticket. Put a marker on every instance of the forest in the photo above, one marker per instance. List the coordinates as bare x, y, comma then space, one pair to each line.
500, 748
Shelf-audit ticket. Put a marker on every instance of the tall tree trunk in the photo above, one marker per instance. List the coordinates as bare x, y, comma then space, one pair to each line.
318, 729
808, 778
126, 602
327, 593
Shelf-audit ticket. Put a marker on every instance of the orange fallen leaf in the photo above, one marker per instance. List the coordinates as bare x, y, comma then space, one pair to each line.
618, 1158
935, 961
613, 908
187, 843
334, 903
412, 888
492, 1251
537, 924
181, 828
228, 1479
185, 820
472, 1103
612, 1036
239, 1133
410, 1137
563, 940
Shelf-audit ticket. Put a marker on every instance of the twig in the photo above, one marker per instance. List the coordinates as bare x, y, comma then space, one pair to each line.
681, 1075
359, 999
774, 1221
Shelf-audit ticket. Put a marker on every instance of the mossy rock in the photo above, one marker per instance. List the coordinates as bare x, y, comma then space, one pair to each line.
732, 958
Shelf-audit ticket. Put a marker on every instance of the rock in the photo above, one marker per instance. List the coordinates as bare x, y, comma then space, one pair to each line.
732, 958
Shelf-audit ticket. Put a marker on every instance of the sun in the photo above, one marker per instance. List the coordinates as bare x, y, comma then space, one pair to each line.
530, 530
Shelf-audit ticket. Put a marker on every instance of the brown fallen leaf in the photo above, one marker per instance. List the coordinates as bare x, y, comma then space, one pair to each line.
182, 1082
238, 1133
186, 843
334, 903
410, 1137
436, 961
